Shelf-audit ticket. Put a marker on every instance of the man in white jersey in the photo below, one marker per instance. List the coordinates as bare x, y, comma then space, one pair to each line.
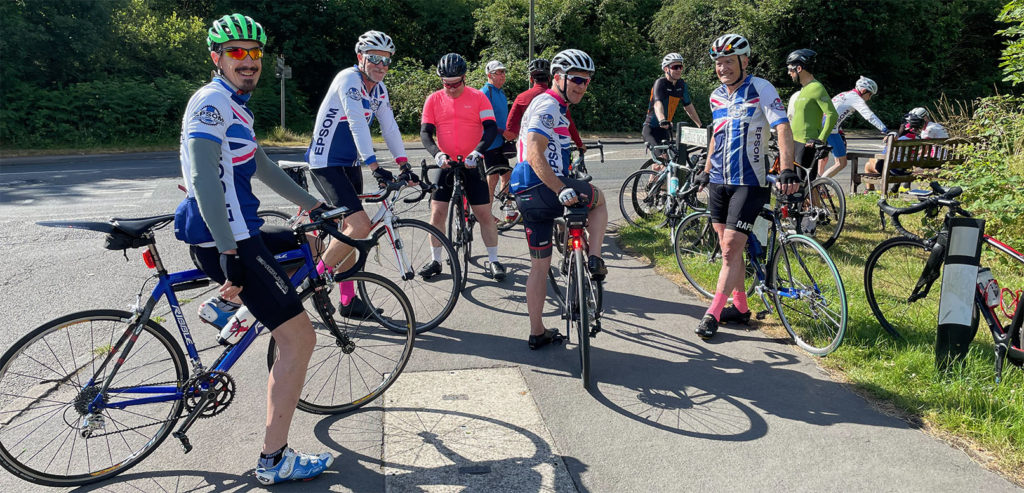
341, 141
846, 103
932, 130
219, 157
743, 109
542, 188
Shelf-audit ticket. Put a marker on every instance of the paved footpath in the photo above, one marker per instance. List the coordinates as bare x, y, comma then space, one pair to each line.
476, 410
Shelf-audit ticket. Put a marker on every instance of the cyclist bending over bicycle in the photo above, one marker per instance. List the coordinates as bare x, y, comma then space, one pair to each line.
542, 188
735, 179
463, 120
219, 158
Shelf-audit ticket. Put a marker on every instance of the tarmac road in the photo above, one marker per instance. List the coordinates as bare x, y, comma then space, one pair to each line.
476, 410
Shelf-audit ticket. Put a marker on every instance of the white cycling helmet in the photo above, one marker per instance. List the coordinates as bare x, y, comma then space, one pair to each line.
867, 85
670, 59
920, 112
729, 44
375, 40
567, 60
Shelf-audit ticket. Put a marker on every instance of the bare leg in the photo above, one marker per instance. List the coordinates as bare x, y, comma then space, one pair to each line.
836, 168
537, 292
597, 223
356, 226
438, 211
733, 271
295, 341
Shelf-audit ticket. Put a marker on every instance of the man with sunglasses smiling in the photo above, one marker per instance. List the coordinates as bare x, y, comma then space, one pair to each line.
667, 94
341, 141
463, 120
219, 158
542, 186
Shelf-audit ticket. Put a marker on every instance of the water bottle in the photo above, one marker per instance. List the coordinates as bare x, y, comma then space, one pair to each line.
237, 326
762, 227
510, 211
673, 184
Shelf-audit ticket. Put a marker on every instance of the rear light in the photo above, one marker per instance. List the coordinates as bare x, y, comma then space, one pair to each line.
147, 257
576, 239
785, 211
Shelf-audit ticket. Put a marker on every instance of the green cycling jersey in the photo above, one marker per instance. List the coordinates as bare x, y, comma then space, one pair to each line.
809, 107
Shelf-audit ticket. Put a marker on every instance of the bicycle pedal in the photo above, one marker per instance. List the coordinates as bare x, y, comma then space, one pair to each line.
761, 314
185, 443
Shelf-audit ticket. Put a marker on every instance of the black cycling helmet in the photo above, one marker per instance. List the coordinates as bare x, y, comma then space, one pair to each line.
802, 58
451, 65
914, 121
539, 65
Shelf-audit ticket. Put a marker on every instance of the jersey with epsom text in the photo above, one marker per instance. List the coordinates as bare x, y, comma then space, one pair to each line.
341, 135
741, 123
546, 115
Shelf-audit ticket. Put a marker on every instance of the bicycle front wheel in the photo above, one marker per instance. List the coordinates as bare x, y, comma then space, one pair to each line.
355, 358
457, 233
642, 195
699, 256
808, 294
399, 252
900, 298
579, 316
824, 212
50, 377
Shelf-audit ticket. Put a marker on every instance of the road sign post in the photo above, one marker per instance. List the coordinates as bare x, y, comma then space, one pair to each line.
283, 72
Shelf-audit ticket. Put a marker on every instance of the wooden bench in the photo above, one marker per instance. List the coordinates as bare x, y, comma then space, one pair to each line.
921, 158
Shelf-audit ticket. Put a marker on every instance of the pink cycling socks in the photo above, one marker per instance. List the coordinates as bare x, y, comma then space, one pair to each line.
348, 291
717, 304
739, 300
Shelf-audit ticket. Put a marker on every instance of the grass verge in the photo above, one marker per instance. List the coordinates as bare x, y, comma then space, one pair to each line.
965, 407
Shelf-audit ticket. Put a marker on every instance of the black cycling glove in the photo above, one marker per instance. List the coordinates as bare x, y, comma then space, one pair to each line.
789, 177
383, 176
233, 268
318, 211
702, 179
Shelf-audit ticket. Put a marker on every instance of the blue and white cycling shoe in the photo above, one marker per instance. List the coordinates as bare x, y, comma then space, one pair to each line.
295, 466
216, 311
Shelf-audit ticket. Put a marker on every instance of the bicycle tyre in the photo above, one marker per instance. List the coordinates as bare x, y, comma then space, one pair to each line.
891, 273
456, 234
275, 218
32, 373
815, 312
369, 349
829, 215
699, 255
432, 300
578, 319
635, 200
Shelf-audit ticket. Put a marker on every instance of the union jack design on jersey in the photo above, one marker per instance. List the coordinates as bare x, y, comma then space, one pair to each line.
741, 123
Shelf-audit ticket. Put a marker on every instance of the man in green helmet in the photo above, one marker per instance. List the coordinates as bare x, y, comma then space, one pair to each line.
813, 114
219, 158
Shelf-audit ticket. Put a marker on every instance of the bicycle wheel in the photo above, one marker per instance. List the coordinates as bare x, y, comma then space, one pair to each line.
642, 195
276, 218
504, 208
400, 251
699, 255
457, 236
578, 319
50, 376
355, 359
891, 277
808, 294
824, 213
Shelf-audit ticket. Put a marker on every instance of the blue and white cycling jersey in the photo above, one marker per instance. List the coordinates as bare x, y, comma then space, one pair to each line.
546, 116
741, 131
341, 135
215, 112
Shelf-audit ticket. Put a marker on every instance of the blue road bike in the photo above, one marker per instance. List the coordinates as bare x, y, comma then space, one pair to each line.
89, 395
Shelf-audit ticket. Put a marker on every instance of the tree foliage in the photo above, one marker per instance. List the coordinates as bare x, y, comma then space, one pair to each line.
1013, 55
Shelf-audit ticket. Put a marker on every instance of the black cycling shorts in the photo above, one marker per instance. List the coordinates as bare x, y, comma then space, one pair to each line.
474, 185
804, 157
655, 136
495, 162
540, 206
340, 185
267, 291
736, 206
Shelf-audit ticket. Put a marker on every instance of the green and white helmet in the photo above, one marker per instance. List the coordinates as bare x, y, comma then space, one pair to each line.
235, 27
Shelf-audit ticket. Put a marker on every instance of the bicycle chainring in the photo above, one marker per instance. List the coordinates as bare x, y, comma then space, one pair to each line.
218, 385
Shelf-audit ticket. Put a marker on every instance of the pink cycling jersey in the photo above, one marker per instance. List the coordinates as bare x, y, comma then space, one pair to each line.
459, 121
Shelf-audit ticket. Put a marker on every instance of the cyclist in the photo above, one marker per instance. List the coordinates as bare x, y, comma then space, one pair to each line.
341, 141
846, 103
667, 94
912, 128
463, 120
540, 77
542, 188
743, 108
219, 158
932, 130
495, 163
814, 115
